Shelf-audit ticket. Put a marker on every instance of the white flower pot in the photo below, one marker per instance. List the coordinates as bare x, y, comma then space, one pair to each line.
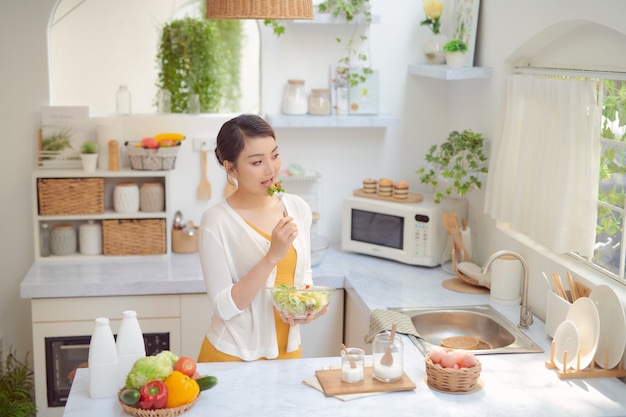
455, 59
90, 161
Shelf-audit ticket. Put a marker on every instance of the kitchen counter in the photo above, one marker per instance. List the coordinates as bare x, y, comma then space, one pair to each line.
514, 384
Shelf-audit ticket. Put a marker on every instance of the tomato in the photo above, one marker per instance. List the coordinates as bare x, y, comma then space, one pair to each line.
186, 366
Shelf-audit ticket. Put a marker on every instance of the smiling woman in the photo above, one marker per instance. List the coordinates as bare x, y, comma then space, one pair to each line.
96, 46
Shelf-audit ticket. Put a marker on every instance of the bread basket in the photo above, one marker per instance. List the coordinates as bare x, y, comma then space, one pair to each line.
163, 412
449, 379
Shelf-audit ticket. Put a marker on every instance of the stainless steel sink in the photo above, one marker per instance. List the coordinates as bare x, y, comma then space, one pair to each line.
496, 333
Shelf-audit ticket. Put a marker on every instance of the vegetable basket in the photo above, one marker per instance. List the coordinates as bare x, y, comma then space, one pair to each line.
449, 379
163, 412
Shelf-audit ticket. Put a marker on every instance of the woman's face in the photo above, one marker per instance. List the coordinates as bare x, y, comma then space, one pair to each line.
258, 165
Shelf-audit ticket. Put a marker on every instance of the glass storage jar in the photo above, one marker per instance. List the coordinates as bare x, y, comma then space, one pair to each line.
63, 240
387, 372
319, 101
295, 101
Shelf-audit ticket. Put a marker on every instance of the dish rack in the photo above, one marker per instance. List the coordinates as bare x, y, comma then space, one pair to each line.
591, 372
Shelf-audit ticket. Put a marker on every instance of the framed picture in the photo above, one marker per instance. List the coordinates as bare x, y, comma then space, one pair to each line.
465, 26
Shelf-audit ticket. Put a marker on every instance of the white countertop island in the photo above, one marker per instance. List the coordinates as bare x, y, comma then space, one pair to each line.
513, 384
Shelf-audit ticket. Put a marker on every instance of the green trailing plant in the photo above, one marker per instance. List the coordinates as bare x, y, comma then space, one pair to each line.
16, 387
455, 45
458, 163
348, 10
199, 56
89, 147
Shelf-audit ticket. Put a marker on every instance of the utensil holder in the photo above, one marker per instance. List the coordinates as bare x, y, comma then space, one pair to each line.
556, 311
183, 243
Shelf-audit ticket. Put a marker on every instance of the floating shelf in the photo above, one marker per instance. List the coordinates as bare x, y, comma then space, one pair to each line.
328, 18
443, 72
350, 121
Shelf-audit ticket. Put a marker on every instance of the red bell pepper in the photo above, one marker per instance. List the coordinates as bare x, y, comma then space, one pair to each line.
153, 396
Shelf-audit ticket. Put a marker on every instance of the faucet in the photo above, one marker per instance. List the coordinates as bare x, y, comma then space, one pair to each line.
526, 314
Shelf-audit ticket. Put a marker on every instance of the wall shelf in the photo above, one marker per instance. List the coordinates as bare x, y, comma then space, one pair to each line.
333, 121
443, 72
328, 18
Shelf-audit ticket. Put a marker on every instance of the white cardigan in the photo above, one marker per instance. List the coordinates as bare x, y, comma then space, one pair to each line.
229, 248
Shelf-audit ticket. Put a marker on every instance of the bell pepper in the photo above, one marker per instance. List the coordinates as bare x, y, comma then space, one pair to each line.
181, 389
153, 395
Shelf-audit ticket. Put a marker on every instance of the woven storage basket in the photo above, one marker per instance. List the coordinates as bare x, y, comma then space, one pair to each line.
160, 159
451, 380
133, 237
70, 196
259, 9
163, 412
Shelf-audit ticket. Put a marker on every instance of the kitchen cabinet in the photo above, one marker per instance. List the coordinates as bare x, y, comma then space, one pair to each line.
356, 321
110, 180
67, 317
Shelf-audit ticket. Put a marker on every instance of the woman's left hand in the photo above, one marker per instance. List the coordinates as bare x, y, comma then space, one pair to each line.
293, 321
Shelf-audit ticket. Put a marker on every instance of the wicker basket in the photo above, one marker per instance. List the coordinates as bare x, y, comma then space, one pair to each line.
183, 243
259, 9
160, 159
451, 380
163, 412
60, 196
133, 237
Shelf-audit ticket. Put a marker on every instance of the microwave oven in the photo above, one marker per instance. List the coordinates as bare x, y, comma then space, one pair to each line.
410, 233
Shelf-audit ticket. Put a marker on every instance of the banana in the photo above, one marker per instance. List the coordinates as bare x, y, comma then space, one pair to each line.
175, 137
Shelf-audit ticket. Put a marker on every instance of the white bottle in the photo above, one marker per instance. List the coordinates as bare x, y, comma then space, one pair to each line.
130, 344
123, 100
103, 373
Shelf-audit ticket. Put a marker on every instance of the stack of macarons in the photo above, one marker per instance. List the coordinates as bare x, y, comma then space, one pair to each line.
369, 186
401, 190
385, 187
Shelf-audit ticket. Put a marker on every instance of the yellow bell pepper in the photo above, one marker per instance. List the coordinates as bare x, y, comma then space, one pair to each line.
181, 389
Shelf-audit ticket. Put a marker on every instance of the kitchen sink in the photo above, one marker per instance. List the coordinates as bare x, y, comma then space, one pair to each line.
494, 331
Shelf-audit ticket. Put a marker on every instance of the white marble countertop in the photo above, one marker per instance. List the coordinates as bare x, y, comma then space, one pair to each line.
514, 384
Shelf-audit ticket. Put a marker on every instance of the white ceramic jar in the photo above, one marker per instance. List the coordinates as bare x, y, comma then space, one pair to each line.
90, 238
63, 240
126, 198
295, 101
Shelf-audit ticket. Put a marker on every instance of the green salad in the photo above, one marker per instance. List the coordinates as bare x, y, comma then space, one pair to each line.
300, 302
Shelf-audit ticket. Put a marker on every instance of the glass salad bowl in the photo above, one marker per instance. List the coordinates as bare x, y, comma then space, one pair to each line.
300, 303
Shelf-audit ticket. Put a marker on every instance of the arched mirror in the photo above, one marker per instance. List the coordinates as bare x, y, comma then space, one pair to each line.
96, 46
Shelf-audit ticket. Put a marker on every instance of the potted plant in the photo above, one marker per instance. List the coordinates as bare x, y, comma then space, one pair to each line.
16, 387
457, 163
455, 53
89, 155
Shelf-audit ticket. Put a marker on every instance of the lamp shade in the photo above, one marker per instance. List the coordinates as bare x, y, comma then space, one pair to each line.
260, 9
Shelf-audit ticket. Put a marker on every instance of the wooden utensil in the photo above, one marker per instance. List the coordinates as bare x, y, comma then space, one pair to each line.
204, 189
387, 358
452, 226
573, 289
345, 350
559, 286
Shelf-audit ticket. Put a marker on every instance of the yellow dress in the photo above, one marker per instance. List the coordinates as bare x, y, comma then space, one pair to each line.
284, 275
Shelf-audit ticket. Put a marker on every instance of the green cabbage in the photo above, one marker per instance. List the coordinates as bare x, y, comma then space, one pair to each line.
151, 368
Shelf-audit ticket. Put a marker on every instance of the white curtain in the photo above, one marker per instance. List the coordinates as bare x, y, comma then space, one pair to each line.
544, 166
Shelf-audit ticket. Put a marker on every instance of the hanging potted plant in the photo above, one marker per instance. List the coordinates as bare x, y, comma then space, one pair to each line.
89, 155
457, 164
455, 53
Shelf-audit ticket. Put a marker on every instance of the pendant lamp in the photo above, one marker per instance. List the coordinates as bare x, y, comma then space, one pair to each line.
260, 9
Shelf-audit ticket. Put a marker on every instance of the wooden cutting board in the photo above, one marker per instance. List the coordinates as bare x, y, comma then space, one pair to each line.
330, 380
411, 198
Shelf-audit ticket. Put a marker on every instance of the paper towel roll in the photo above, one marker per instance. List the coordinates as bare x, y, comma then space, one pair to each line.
506, 280
105, 132
466, 236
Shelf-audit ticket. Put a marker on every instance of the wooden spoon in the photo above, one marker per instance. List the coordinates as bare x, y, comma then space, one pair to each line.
387, 358
204, 189
345, 350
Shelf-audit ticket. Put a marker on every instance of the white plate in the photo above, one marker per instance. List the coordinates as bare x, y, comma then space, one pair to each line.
566, 340
612, 325
584, 314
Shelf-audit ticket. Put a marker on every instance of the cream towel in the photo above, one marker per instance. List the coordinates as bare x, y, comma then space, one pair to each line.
381, 320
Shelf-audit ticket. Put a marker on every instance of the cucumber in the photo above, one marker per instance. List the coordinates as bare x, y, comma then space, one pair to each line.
206, 382
130, 396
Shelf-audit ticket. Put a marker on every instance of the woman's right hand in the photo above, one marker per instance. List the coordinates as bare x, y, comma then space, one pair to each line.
283, 235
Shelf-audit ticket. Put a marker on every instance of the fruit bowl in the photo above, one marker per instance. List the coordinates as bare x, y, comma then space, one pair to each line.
163, 412
300, 303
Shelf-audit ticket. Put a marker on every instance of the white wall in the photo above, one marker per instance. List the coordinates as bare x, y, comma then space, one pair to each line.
428, 110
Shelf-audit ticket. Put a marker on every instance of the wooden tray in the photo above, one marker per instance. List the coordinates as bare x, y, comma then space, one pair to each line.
412, 197
331, 383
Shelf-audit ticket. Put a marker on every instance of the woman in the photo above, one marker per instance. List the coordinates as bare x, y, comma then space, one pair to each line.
248, 243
